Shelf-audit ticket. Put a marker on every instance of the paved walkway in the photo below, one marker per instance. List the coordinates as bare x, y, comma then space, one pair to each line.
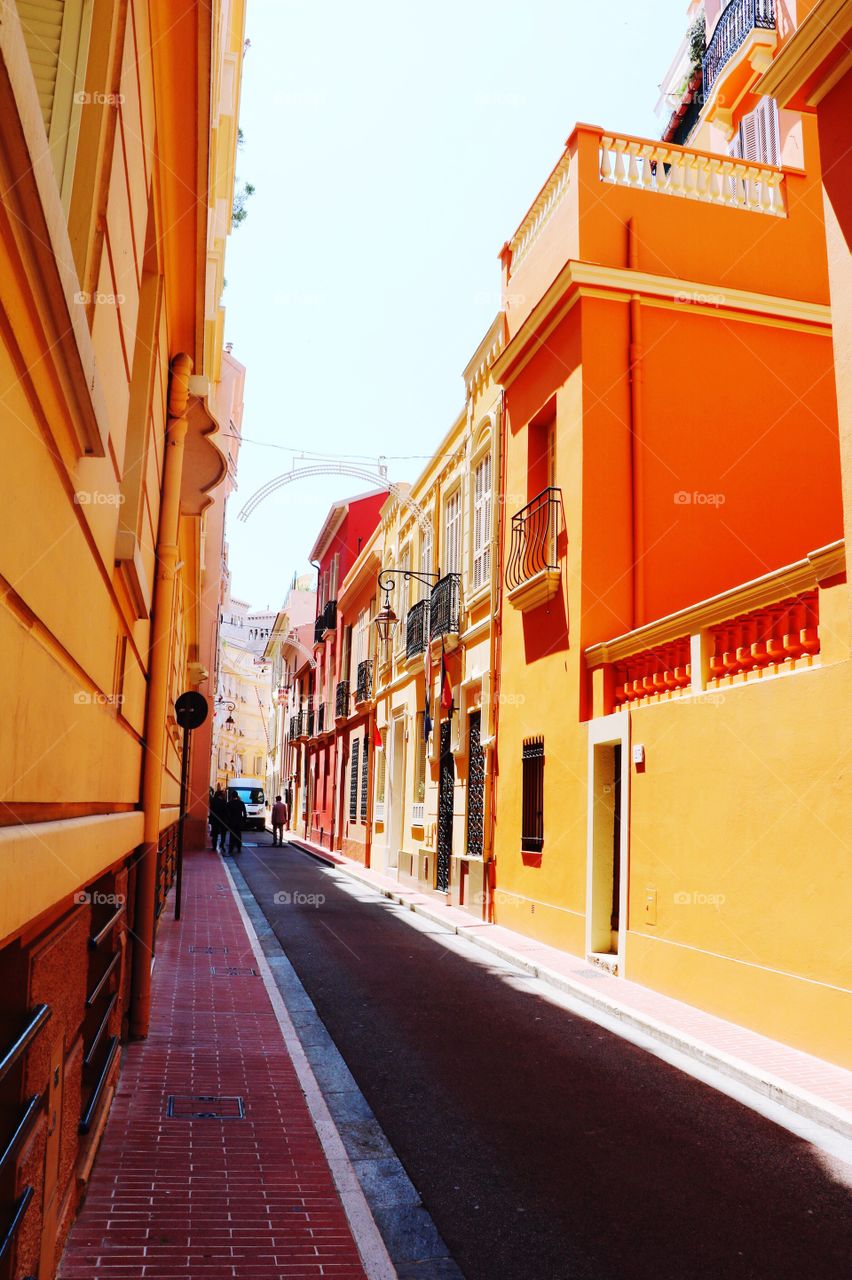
803, 1084
201, 1196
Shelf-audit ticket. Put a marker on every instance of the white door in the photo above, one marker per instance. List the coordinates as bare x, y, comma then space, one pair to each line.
395, 793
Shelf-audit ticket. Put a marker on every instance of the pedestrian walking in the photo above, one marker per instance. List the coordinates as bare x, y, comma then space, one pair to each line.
218, 817
234, 819
279, 820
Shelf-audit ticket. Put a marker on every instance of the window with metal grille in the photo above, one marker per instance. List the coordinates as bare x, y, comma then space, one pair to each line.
353, 780
420, 760
380, 775
532, 817
365, 774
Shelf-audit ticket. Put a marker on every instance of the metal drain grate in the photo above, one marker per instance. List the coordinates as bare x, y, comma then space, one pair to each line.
204, 1106
208, 951
230, 971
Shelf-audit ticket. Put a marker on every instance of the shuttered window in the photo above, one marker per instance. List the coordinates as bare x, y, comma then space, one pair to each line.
56, 33
353, 780
365, 774
482, 523
452, 534
532, 817
758, 135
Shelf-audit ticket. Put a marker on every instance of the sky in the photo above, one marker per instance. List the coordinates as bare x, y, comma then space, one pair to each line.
394, 148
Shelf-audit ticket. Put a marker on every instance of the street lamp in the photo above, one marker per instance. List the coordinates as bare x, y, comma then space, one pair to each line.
223, 702
386, 619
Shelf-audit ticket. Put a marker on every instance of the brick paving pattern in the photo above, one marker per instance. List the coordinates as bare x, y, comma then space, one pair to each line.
207, 1198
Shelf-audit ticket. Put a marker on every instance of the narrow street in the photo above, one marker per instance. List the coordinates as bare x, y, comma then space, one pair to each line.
542, 1145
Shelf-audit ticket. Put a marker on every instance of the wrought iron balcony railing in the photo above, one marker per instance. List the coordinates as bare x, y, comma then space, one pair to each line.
417, 628
319, 628
535, 537
296, 729
736, 22
364, 684
445, 606
321, 718
311, 722
341, 700
329, 616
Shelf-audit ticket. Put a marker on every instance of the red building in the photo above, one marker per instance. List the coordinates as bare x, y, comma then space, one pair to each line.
347, 527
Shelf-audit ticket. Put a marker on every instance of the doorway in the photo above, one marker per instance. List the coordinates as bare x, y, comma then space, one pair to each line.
606, 908
396, 793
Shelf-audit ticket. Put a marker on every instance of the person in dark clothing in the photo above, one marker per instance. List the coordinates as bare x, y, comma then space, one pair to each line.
236, 816
218, 819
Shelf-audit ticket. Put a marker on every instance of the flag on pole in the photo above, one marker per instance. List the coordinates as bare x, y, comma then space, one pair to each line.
377, 736
447, 703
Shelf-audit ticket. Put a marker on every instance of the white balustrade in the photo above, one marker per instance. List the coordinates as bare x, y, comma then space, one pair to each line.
693, 175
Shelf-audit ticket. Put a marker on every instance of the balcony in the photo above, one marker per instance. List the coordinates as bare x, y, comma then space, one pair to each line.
739, 28
310, 715
417, 629
322, 727
326, 623
767, 627
364, 683
297, 727
445, 607
533, 575
341, 700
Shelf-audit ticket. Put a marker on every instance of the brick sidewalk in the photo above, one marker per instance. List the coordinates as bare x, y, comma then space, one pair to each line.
201, 1199
804, 1084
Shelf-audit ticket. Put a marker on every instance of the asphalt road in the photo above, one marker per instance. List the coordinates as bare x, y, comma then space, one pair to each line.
542, 1145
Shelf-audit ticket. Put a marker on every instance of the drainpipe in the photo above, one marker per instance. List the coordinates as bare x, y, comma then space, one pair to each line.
637, 460
158, 692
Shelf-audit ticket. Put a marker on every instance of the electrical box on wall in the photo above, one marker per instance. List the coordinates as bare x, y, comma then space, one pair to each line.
639, 756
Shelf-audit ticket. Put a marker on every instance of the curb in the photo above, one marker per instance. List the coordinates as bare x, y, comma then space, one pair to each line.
765, 1085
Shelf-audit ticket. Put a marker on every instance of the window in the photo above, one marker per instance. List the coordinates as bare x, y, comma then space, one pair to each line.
452, 533
758, 135
380, 775
426, 550
404, 596
482, 523
532, 817
56, 33
353, 780
420, 761
365, 774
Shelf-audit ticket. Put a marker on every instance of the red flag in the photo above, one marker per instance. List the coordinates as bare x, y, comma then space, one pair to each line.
446, 688
377, 735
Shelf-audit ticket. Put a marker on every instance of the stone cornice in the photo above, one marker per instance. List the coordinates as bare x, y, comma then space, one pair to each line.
584, 279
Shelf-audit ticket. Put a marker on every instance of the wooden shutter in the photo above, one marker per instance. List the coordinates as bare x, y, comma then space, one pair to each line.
451, 527
41, 21
768, 132
482, 522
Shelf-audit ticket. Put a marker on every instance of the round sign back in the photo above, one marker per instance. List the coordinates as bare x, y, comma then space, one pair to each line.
191, 710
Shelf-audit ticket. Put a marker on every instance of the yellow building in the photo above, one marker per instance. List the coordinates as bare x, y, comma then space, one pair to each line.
117, 161
432, 561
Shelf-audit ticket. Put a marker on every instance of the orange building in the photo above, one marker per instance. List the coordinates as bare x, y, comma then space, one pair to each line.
674, 596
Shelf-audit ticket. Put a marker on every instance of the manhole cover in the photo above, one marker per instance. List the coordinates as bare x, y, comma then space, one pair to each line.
231, 972
204, 1106
208, 951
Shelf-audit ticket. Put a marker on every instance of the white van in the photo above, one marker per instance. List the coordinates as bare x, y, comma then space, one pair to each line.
250, 791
